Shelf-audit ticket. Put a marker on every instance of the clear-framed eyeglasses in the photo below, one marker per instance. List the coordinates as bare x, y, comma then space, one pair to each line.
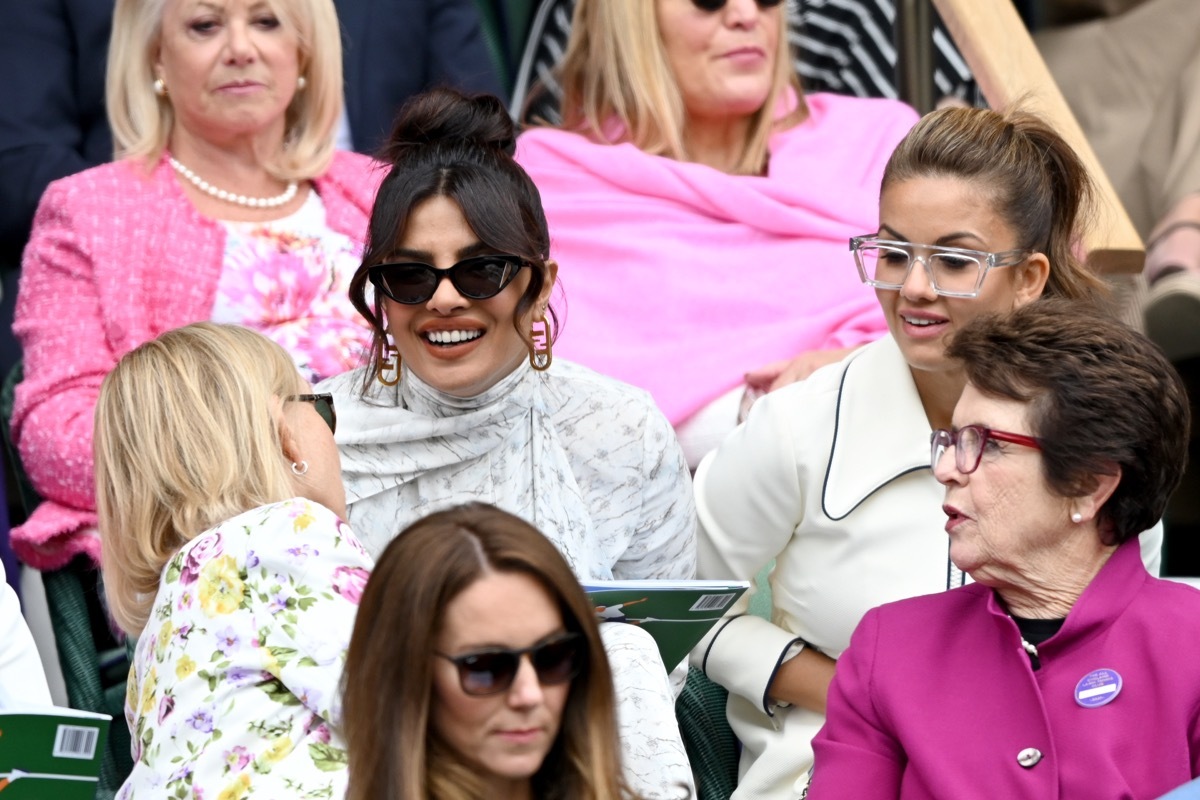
969, 442
952, 271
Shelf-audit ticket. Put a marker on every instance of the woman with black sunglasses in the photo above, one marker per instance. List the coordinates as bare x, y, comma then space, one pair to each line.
462, 399
701, 202
226, 558
491, 679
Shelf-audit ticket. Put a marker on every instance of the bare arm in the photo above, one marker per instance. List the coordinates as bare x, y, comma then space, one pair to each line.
804, 680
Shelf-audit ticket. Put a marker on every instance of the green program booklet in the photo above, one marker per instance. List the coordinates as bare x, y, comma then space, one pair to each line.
50, 753
676, 613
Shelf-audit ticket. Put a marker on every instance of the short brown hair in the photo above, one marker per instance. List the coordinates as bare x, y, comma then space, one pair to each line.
394, 751
1101, 396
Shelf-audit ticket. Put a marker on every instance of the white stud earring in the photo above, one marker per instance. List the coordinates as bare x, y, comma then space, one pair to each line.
301, 82
160, 87
1077, 518
299, 469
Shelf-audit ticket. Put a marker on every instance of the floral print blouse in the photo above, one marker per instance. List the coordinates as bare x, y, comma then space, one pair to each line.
234, 688
289, 279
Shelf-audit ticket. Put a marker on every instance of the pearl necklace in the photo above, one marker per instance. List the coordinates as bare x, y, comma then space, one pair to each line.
1029, 648
229, 197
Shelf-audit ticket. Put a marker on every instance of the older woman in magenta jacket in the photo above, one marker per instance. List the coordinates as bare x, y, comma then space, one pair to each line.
1065, 670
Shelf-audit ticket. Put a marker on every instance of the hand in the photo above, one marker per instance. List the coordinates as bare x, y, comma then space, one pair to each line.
772, 376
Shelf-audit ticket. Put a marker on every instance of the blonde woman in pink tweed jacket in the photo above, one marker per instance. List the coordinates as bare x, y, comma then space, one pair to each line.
227, 202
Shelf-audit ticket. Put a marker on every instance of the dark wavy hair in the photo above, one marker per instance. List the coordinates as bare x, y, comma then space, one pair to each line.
1101, 397
394, 751
447, 144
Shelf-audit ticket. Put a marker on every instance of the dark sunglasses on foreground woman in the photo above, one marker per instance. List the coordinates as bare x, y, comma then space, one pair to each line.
476, 278
493, 669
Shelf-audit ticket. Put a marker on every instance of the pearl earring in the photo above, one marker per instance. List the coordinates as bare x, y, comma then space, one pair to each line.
301, 82
160, 87
1077, 518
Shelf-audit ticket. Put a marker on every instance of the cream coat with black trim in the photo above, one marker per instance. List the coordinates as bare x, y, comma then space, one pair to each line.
830, 477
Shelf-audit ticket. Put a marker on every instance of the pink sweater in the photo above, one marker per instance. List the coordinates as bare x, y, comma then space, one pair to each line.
681, 278
115, 258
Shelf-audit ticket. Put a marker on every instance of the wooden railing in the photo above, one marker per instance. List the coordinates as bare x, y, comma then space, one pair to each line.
1008, 68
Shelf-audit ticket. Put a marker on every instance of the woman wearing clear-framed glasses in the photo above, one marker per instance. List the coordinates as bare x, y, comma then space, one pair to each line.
462, 399
979, 212
1046, 676
492, 681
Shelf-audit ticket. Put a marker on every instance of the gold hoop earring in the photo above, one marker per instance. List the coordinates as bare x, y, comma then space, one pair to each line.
542, 354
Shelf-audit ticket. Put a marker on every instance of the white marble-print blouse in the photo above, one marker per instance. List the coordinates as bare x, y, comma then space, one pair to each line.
234, 687
589, 461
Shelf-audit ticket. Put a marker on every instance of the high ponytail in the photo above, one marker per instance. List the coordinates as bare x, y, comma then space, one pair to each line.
1038, 183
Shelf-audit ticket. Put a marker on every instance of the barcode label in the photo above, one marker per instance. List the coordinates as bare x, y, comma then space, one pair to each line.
73, 741
713, 602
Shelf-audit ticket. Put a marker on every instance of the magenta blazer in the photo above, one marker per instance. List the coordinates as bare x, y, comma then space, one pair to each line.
935, 698
115, 258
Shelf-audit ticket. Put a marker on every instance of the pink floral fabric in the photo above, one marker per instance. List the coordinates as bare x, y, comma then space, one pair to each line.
116, 257
234, 689
289, 279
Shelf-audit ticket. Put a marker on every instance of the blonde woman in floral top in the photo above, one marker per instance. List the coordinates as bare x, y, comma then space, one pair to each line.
225, 553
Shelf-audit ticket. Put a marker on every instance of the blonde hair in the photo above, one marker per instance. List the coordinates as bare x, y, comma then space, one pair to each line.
187, 435
141, 121
615, 66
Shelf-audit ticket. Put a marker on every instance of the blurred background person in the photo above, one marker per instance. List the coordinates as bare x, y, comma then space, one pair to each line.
463, 399
226, 557
492, 680
700, 205
21, 676
979, 212
1083, 670
1130, 70
54, 52
228, 202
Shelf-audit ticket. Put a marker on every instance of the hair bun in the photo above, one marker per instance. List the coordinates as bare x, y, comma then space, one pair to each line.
446, 117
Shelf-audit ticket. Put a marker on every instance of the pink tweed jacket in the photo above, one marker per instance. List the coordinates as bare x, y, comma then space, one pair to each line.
115, 258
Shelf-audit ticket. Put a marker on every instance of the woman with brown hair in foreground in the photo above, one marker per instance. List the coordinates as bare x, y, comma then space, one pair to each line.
476, 670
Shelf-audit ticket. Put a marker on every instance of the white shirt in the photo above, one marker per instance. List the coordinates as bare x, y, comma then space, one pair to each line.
589, 461
22, 679
830, 477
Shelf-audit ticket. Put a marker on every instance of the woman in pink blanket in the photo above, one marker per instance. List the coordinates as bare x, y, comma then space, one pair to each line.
700, 205
227, 203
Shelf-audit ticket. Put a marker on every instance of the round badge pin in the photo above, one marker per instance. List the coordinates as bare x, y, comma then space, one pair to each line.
1098, 688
